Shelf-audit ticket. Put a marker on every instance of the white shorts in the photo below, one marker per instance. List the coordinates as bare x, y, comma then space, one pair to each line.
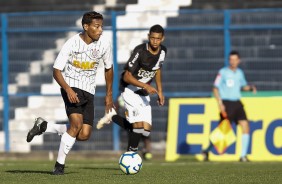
137, 107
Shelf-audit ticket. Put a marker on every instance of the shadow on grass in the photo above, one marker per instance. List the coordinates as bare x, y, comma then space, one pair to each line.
107, 169
33, 172
100, 168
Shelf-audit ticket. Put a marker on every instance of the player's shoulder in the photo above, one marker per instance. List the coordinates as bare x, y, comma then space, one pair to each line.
164, 48
240, 71
73, 38
223, 69
140, 47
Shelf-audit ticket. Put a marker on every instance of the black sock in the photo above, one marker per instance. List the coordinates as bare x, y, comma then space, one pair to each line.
122, 122
133, 141
208, 148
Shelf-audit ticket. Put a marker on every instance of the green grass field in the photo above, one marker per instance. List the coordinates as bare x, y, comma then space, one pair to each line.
155, 171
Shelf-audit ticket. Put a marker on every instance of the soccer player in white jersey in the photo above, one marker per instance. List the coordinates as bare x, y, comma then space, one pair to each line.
75, 69
228, 84
144, 65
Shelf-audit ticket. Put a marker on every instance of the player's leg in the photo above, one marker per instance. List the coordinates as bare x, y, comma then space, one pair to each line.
122, 122
75, 115
106, 119
245, 139
42, 126
88, 118
134, 136
147, 141
244, 123
142, 128
67, 141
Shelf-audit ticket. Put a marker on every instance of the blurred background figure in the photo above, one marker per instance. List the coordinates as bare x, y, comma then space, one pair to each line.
228, 84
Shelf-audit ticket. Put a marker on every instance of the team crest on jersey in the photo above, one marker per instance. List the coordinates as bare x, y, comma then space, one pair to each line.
94, 53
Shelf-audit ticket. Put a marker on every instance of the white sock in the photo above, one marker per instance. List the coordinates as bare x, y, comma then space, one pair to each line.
245, 144
56, 128
66, 144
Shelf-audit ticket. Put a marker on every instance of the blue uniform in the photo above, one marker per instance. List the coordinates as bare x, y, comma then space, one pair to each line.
229, 83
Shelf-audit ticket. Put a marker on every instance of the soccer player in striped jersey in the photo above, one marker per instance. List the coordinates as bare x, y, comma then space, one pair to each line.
227, 88
143, 66
75, 71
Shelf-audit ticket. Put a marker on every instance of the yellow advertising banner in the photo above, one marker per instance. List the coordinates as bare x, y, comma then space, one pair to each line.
191, 121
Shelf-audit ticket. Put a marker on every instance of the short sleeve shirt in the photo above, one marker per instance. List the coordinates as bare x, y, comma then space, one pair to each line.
79, 61
143, 65
229, 83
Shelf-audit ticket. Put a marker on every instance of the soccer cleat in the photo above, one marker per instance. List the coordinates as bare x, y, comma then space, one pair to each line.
40, 126
106, 119
244, 159
58, 169
205, 155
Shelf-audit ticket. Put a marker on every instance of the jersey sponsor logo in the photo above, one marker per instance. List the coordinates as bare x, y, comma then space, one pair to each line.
85, 65
130, 64
146, 74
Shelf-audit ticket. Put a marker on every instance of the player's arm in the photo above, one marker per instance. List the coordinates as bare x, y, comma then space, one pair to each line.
72, 96
131, 66
158, 79
245, 86
221, 106
216, 85
130, 79
109, 88
250, 88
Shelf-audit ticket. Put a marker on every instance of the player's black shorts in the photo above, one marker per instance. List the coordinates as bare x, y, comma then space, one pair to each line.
84, 107
235, 111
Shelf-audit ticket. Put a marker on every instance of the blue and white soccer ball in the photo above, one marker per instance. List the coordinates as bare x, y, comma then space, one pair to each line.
130, 162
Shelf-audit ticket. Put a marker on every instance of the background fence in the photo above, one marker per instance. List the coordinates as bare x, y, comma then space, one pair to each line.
198, 44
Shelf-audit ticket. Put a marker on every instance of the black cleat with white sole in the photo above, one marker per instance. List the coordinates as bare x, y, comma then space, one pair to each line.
58, 169
40, 126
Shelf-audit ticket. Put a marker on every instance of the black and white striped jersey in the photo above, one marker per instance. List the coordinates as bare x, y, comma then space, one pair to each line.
79, 61
143, 65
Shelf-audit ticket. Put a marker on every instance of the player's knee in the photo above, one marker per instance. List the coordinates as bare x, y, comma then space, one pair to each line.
76, 128
83, 136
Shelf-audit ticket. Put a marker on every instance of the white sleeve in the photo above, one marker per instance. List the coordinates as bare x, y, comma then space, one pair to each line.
108, 60
62, 57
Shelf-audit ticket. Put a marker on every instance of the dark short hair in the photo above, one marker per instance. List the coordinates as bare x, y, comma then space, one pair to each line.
157, 29
234, 52
89, 16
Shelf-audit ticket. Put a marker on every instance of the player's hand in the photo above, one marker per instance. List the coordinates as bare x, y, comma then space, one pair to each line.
72, 96
224, 114
150, 89
254, 89
109, 103
161, 99
221, 108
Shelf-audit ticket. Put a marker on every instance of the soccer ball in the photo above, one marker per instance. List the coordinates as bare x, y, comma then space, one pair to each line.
130, 162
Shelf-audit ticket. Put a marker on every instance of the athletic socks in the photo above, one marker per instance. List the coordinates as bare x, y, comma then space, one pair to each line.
122, 122
133, 140
56, 128
66, 144
245, 144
